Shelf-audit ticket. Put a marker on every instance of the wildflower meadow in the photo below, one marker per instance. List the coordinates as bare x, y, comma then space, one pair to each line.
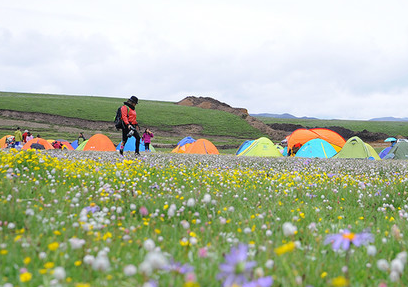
96, 219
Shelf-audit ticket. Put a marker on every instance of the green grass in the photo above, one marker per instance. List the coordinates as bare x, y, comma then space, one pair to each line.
152, 114
197, 207
391, 128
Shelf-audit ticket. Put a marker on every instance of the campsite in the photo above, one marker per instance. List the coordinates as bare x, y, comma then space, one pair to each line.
204, 207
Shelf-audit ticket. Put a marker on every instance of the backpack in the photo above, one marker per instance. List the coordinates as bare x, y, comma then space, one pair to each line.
118, 118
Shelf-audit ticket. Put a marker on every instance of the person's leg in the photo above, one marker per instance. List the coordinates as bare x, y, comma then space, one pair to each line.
146, 146
125, 131
137, 142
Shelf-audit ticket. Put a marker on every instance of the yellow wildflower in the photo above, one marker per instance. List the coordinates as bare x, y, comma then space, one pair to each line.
339, 282
288, 247
25, 277
27, 260
53, 246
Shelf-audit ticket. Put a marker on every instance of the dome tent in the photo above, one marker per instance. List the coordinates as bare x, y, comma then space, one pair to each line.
261, 147
244, 146
183, 145
36, 142
316, 148
3, 141
302, 136
356, 148
202, 146
398, 151
97, 142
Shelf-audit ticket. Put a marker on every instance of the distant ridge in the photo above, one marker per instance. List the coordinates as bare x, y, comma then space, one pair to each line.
390, 119
281, 116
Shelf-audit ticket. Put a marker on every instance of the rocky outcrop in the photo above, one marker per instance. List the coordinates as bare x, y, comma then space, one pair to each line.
210, 103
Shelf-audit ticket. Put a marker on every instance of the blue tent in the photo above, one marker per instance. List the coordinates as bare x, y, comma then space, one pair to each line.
384, 152
186, 140
74, 144
316, 148
243, 146
130, 145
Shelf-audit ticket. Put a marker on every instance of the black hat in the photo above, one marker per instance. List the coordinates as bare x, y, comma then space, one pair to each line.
134, 99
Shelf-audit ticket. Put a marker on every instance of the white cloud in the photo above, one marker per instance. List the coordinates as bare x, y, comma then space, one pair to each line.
332, 59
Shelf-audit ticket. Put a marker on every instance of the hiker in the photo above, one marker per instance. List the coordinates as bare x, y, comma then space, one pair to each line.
147, 135
18, 137
25, 136
29, 136
81, 138
10, 143
57, 145
294, 150
130, 124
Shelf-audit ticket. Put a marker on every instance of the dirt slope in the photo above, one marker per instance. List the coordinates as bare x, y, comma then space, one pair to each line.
210, 103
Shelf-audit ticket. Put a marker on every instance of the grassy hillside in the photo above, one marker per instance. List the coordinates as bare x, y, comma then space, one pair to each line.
163, 116
153, 114
391, 128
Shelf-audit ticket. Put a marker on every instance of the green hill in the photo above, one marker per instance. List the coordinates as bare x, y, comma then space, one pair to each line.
166, 118
169, 121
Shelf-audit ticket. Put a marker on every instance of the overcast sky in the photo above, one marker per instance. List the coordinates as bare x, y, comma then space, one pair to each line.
344, 59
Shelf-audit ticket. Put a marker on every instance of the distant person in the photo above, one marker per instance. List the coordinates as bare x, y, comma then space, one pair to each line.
18, 136
81, 138
147, 135
57, 145
25, 136
38, 136
10, 143
29, 137
294, 149
130, 124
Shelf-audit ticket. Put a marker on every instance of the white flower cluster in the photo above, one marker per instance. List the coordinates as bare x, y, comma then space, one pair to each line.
395, 267
289, 229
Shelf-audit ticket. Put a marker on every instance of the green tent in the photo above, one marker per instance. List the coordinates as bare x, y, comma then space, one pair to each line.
398, 151
82, 145
261, 147
356, 148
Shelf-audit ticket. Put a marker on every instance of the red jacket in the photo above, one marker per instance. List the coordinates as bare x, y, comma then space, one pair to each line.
128, 115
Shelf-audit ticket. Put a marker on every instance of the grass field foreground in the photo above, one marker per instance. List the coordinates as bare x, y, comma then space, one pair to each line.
92, 219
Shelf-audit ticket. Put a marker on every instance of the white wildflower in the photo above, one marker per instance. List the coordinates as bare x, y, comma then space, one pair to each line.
149, 245
59, 273
130, 270
383, 265
289, 229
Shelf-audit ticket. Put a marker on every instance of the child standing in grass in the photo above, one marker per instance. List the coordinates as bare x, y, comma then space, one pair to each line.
147, 135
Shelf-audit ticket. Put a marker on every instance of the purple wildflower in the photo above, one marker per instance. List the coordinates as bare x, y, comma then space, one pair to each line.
260, 282
179, 268
343, 239
92, 208
236, 268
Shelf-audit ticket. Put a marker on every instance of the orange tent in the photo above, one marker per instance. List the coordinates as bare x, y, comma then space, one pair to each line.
181, 149
3, 141
336, 140
40, 141
301, 136
202, 146
99, 142
65, 143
